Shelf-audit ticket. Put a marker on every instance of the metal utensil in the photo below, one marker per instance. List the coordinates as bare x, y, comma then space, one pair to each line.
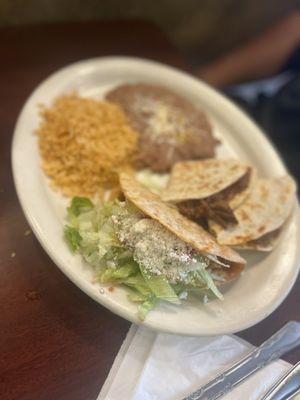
286, 387
286, 339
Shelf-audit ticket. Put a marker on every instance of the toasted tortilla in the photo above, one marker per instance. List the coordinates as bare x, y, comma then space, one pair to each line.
241, 196
268, 206
196, 180
266, 243
209, 189
188, 231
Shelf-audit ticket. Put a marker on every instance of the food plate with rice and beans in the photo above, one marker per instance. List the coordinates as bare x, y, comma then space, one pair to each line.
137, 176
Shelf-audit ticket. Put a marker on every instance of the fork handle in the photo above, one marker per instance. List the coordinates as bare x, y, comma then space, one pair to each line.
286, 339
286, 387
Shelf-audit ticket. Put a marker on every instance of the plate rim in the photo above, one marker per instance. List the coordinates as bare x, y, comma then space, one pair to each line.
103, 300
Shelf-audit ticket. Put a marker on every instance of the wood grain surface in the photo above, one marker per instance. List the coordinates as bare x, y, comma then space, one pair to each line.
55, 342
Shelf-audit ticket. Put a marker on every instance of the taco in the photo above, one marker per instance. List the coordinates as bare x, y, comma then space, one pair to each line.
223, 262
150, 247
209, 189
261, 217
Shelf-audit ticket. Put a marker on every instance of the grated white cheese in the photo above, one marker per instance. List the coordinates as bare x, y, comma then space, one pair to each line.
158, 250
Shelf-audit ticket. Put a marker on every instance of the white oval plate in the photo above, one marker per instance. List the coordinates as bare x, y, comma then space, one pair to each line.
267, 279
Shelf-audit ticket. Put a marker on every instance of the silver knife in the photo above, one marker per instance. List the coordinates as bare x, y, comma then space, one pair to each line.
286, 387
286, 339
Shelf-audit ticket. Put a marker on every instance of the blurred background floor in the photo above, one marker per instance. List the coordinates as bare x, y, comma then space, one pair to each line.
202, 30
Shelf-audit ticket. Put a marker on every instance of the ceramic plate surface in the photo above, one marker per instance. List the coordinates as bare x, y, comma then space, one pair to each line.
267, 279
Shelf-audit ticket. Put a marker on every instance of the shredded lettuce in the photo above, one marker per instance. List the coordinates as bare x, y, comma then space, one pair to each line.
147, 306
205, 276
138, 283
118, 275
79, 205
160, 287
91, 231
136, 297
73, 238
200, 280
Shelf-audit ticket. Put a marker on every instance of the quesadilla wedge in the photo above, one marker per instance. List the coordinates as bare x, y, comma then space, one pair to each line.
261, 217
209, 189
149, 247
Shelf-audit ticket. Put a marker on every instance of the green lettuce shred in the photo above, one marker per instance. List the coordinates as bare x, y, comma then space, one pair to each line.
79, 205
147, 306
160, 287
117, 275
136, 297
73, 238
205, 276
91, 232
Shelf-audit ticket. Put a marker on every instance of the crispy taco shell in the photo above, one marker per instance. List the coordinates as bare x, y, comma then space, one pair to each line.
188, 231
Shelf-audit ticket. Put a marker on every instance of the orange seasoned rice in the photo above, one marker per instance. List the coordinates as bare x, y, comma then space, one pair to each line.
84, 143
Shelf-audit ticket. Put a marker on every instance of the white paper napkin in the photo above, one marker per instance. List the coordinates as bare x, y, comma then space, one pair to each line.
151, 366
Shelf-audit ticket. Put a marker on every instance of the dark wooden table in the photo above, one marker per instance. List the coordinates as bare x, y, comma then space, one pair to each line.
55, 342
